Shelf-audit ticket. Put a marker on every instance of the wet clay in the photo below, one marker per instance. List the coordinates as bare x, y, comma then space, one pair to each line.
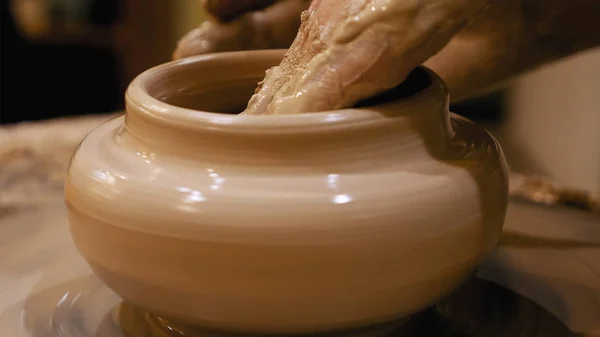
346, 51
277, 224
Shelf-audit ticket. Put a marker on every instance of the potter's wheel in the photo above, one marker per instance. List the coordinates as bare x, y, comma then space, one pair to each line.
47, 290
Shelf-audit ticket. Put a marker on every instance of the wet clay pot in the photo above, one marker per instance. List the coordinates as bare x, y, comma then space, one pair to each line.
287, 223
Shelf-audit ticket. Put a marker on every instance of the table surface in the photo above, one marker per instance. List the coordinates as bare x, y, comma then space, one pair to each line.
33, 160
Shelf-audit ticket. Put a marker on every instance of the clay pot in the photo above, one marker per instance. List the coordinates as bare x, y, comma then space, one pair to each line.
289, 223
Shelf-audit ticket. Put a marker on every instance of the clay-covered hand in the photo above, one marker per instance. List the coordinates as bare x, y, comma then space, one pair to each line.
347, 50
354, 48
243, 25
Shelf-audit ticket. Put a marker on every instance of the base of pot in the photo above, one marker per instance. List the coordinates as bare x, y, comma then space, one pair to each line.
137, 322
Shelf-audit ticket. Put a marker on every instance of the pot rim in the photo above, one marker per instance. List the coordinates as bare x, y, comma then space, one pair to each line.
138, 97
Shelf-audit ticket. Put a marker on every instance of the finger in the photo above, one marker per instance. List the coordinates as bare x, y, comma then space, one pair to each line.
272, 27
227, 10
211, 37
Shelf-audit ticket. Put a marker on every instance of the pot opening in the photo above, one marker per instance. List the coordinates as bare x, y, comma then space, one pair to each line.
219, 88
227, 97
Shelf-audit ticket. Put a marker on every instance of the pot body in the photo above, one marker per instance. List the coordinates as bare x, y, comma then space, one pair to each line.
283, 224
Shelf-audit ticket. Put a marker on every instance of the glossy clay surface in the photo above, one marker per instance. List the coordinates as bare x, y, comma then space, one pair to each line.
291, 223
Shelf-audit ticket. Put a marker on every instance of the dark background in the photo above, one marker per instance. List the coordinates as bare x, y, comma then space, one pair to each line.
43, 80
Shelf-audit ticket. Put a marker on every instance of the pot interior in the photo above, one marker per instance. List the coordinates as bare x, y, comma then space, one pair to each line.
229, 97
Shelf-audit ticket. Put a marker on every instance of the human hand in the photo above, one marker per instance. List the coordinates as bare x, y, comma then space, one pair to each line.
502, 41
348, 50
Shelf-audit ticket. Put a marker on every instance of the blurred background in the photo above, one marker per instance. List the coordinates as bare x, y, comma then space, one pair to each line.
76, 57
